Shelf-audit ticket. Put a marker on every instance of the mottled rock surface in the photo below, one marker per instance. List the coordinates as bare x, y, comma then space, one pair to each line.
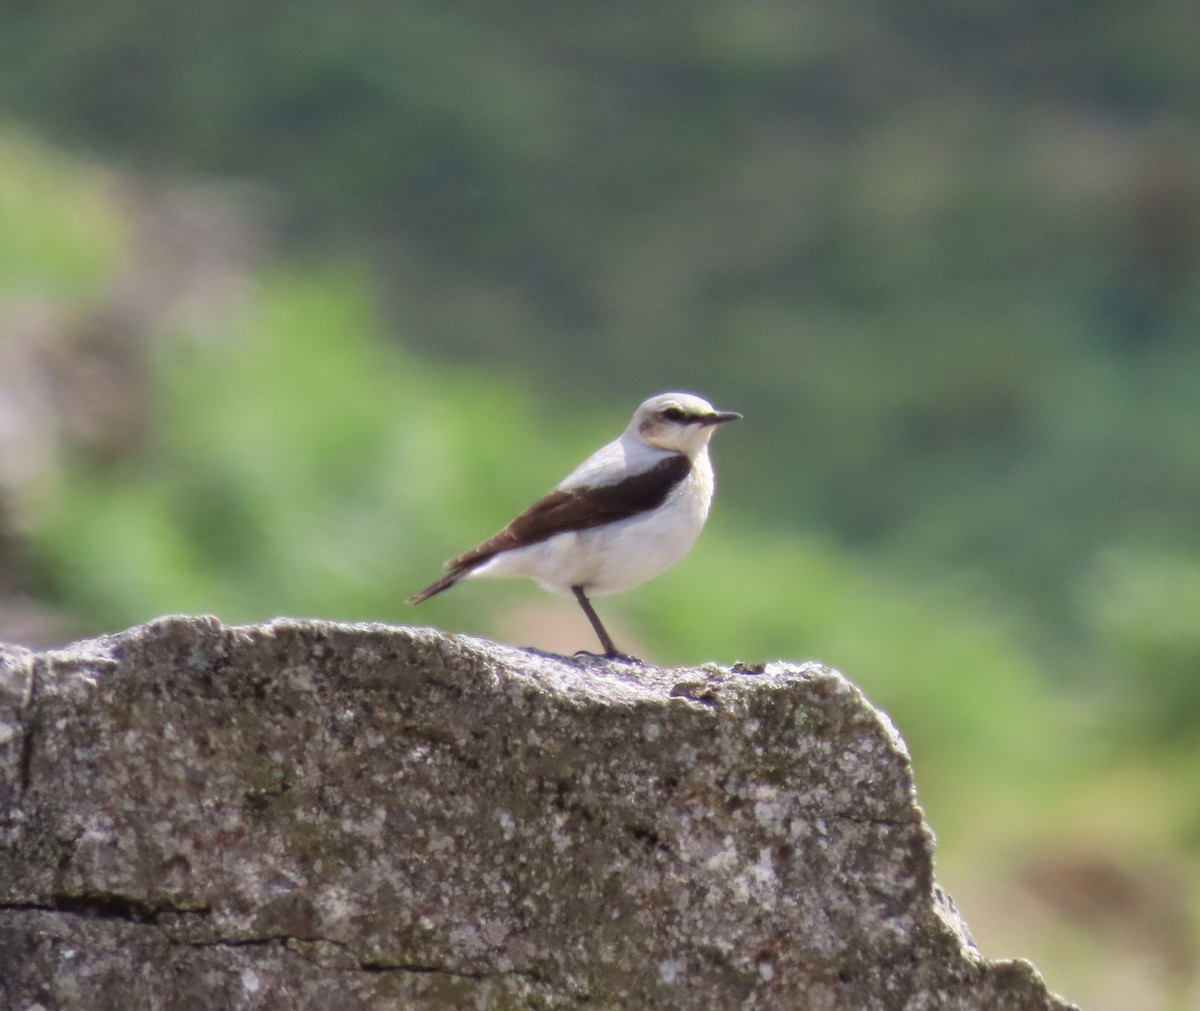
308, 815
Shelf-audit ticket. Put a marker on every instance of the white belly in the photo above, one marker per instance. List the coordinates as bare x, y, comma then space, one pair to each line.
616, 556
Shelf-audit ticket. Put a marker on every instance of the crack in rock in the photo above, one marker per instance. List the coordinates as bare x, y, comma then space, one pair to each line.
311, 815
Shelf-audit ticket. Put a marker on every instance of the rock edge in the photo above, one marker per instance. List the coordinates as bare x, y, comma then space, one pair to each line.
303, 814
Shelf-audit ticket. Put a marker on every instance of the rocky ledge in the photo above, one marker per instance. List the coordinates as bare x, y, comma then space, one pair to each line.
304, 815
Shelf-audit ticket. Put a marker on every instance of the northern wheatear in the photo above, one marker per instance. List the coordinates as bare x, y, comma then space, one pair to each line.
626, 514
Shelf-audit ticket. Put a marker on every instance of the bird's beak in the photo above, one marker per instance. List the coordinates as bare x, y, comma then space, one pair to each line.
720, 417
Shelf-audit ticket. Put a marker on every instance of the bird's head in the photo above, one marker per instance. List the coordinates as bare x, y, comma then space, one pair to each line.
679, 422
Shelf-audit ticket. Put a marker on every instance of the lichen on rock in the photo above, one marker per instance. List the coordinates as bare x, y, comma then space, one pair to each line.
303, 814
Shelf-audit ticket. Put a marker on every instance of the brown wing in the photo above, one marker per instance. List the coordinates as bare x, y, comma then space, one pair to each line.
581, 508
571, 509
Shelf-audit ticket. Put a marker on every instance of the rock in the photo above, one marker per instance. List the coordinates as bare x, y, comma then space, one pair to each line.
306, 815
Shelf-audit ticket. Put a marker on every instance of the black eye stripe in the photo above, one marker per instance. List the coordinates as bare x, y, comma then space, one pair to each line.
673, 414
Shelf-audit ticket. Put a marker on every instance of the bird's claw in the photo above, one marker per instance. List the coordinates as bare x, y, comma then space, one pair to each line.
587, 654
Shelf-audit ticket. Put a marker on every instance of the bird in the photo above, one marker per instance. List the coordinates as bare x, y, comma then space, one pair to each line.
626, 514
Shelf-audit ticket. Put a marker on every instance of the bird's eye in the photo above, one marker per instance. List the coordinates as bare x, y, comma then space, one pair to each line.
673, 414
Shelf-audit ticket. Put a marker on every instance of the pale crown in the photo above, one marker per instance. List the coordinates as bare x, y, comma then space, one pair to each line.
677, 422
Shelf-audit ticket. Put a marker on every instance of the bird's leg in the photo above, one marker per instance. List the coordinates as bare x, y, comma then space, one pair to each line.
610, 648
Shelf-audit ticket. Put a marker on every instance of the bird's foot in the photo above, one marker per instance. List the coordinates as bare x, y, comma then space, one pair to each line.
590, 657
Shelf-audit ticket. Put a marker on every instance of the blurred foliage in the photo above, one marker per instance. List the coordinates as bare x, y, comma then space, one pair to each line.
948, 255
60, 235
297, 465
1146, 616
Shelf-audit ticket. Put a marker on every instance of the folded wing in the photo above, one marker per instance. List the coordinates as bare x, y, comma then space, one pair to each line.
566, 510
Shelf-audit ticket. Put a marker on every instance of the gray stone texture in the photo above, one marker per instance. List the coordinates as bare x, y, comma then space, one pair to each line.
304, 815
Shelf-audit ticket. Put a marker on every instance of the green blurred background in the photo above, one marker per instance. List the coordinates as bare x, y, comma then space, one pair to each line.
299, 299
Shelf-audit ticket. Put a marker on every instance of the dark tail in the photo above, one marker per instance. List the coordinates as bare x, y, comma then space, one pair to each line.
447, 581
